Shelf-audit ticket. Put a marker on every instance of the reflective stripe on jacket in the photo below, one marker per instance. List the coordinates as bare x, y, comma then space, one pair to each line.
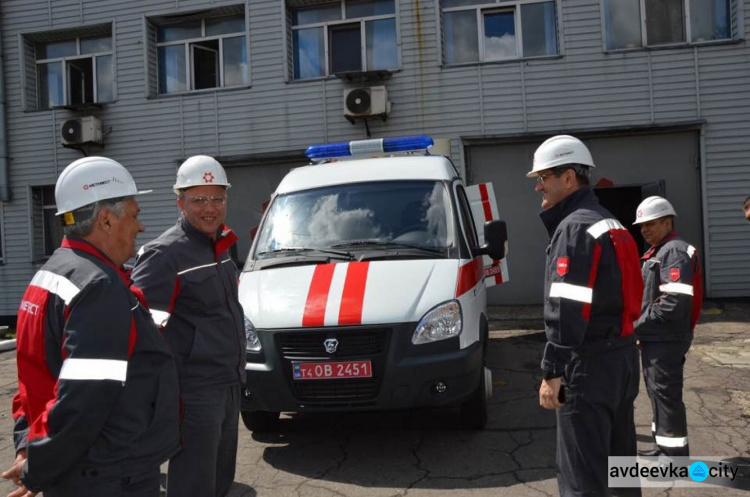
673, 291
97, 384
190, 284
592, 282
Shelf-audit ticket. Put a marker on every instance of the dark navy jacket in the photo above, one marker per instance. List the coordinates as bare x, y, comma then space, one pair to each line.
98, 387
593, 285
190, 283
673, 292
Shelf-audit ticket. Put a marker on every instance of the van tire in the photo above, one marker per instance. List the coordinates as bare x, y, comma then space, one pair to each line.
474, 409
260, 421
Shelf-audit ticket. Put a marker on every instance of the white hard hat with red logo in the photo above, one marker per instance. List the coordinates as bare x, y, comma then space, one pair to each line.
559, 151
653, 208
91, 179
200, 170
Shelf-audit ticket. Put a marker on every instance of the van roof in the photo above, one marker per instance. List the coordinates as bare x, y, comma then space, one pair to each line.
401, 168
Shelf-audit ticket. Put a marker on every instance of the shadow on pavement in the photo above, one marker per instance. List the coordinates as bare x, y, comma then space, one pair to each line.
425, 448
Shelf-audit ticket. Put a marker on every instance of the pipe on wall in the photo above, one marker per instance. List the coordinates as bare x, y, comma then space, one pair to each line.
4, 169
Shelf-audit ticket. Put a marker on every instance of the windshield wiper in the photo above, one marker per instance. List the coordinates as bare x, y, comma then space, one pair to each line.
294, 250
389, 244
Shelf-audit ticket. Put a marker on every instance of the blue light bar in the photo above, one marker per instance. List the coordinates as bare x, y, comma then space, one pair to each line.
369, 147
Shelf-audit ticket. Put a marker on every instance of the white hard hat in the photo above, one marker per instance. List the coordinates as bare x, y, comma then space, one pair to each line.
91, 179
559, 151
653, 208
200, 170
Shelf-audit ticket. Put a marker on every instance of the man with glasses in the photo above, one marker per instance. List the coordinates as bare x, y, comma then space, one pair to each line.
672, 298
593, 289
190, 283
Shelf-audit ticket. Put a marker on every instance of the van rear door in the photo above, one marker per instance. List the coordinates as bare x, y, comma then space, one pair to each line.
484, 208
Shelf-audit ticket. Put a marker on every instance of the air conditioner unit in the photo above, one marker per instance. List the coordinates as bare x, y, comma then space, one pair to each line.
81, 130
368, 101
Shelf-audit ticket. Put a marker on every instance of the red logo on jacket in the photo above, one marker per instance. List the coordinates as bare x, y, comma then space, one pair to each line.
563, 264
674, 274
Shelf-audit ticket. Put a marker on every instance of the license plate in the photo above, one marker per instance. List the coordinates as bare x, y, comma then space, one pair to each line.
331, 370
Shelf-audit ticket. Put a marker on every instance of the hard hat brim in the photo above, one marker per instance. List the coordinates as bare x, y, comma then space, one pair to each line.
652, 218
141, 192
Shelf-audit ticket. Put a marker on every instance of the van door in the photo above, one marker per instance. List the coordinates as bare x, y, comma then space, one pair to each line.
484, 208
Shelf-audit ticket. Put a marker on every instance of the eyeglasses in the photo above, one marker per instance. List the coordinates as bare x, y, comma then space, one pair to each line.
541, 178
203, 200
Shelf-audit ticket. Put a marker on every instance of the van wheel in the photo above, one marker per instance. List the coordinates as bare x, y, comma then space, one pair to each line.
474, 409
260, 421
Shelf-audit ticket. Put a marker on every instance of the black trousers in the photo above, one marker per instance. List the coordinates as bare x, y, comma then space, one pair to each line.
205, 466
663, 368
596, 420
112, 482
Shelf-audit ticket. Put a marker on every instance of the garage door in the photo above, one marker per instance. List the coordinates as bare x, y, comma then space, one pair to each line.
252, 185
627, 160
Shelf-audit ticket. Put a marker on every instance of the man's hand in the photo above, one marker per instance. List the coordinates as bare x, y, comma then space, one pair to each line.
14, 473
549, 392
21, 492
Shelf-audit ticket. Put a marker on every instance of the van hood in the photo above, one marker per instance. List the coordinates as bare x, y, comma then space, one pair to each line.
347, 294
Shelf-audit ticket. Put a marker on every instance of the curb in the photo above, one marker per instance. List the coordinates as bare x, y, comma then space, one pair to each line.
6, 345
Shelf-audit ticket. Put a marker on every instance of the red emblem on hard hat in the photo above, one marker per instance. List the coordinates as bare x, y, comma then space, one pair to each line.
674, 274
563, 265
639, 214
208, 177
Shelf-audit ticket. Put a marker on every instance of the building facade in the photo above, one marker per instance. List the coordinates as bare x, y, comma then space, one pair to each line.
658, 89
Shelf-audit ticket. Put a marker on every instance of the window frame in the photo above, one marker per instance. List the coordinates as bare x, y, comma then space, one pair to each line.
468, 224
499, 6
66, 73
151, 25
736, 32
189, 46
28, 63
362, 21
38, 254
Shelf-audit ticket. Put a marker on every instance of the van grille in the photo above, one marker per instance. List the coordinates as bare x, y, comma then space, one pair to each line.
337, 390
306, 345
353, 344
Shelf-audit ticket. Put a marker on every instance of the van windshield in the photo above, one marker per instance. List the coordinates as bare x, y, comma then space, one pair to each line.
408, 213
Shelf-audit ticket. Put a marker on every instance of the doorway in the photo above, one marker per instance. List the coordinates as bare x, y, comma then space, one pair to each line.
622, 202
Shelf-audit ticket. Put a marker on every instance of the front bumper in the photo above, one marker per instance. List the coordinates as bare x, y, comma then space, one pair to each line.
404, 375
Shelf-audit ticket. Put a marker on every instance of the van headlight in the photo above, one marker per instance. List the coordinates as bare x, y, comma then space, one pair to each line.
251, 334
441, 323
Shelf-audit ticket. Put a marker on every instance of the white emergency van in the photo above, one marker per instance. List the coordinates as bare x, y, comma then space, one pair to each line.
365, 286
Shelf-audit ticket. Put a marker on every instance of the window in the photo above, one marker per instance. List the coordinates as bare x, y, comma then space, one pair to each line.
667, 22
47, 228
344, 36
468, 219
199, 52
71, 67
484, 31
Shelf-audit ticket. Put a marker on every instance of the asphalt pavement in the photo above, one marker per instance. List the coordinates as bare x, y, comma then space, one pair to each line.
424, 452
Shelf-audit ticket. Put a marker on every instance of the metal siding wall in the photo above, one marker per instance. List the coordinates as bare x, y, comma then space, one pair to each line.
725, 104
583, 89
628, 160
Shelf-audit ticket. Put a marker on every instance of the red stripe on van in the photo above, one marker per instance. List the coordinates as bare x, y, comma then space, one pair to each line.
353, 296
469, 275
317, 297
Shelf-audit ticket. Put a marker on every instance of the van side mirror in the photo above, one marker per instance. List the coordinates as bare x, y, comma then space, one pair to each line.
495, 238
